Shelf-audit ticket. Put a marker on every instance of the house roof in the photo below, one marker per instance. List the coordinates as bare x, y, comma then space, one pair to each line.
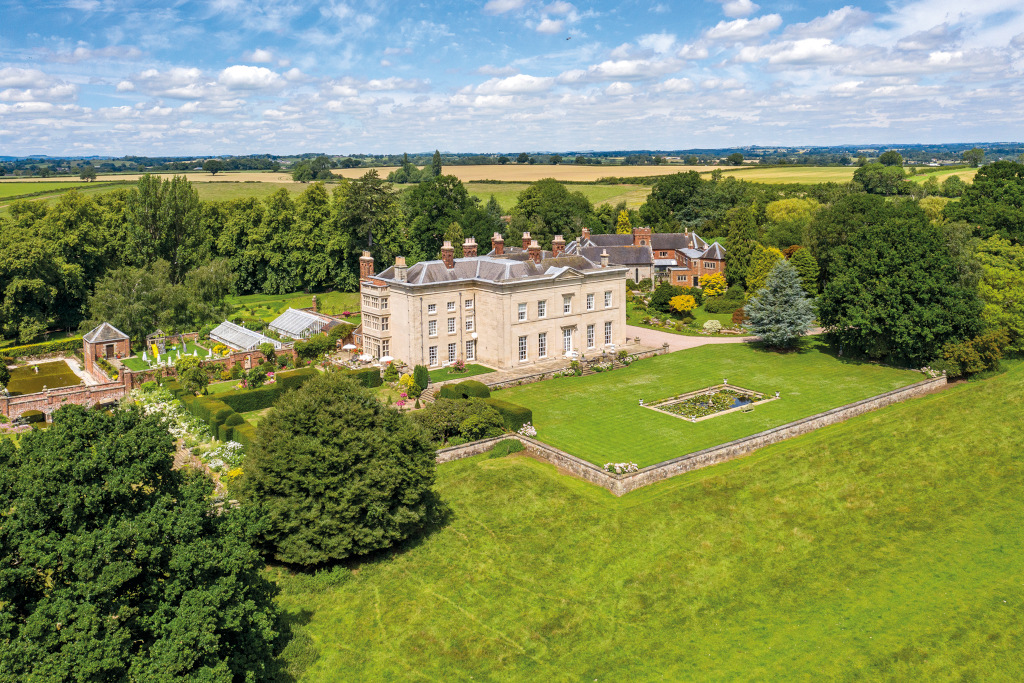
104, 333
497, 269
241, 338
716, 251
294, 322
620, 256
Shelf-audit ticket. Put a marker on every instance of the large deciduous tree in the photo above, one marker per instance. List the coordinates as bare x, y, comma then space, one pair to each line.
994, 201
741, 237
1001, 288
780, 312
550, 209
352, 481
114, 567
895, 291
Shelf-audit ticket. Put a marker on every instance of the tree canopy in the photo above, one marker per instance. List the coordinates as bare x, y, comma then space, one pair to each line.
780, 312
995, 201
114, 567
354, 480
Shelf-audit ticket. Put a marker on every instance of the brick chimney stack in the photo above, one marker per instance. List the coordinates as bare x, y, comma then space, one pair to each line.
448, 254
401, 270
641, 237
469, 247
557, 246
534, 250
366, 265
604, 258
526, 241
586, 233
498, 244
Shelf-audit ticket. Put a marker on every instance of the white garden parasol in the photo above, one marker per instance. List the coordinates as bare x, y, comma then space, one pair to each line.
386, 359
348, 347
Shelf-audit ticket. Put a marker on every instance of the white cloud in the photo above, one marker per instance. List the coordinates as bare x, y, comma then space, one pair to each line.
837, 22
676, 85
549, 26
619, 88
619, 70
490, 70
934, 38
14, 77
125, 86
695, 51
520, 83
804, 51
738, 8
242, 77
742, 29
502, 6
58, 92
660, 43
259, 56
293, 74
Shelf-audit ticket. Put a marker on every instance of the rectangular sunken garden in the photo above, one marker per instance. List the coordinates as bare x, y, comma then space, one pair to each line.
709, 402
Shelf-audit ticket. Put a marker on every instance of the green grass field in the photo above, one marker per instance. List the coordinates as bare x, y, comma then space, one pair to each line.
507, 194
269, 306
700, 316
790, 174
9, 189
223, 191
965, 174
882, 548
472, 369
598, 417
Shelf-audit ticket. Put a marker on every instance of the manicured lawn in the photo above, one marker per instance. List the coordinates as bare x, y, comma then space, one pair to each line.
253, 417
442, 374
882, 548
598, 417
136, 363
269, 306
221, 387
700, 316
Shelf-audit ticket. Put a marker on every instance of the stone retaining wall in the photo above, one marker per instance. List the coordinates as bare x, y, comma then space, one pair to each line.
624, 483
548, 374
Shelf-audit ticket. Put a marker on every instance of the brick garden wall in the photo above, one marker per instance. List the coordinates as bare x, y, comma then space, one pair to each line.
136, 378
52, 399
622, 484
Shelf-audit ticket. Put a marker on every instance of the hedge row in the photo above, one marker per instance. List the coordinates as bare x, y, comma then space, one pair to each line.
367, 377
467, 389
515, 416
43, 348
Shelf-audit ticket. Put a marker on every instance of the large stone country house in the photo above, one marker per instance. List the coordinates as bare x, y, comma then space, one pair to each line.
504, 309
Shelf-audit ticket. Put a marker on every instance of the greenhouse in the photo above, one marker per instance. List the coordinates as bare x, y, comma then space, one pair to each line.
240, 338
299, 324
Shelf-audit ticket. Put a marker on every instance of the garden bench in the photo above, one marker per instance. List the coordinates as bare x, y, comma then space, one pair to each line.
749, 408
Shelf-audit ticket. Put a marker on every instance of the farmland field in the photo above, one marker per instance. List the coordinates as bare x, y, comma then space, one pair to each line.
884, 548
791, 174
507, 194
14, 188
965, 174
528, 174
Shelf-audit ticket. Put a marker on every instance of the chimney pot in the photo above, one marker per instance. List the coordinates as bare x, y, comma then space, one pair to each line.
604, 258
557, 246
586, 233
534, 250
401, 270
526, 241
498, 244
469, 247
366, 265
448, 254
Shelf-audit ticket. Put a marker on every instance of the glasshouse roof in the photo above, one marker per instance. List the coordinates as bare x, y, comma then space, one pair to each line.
240, 338
295, 323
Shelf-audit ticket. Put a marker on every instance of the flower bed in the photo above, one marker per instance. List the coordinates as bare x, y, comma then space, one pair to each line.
707, 402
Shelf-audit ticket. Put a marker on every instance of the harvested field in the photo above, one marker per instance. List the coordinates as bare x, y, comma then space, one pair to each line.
965, 174
792, 174
528, 174
507, 194
194, 176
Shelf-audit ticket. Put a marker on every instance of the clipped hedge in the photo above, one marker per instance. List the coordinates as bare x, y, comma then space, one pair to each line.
295, 378
467, 389
44, 347
244, 434
226, 431
367, 377
515, 416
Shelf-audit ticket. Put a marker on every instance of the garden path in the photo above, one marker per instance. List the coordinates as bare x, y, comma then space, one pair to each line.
678, 342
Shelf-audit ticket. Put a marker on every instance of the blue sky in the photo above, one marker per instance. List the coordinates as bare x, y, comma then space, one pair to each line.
235, 77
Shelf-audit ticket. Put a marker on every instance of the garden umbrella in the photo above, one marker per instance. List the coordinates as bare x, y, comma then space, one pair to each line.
365, 356
386, 359
348, 347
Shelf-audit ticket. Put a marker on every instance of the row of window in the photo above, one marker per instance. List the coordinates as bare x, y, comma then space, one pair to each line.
567, 343
542, 306
379, 302
432, 326
452, 350
432, 308
373, 322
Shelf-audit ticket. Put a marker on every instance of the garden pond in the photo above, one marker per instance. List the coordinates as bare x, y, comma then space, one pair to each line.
30, 379
708, 402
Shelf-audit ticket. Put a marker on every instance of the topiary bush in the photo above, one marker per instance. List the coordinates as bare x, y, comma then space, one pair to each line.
468, 389
422, 376
515, 416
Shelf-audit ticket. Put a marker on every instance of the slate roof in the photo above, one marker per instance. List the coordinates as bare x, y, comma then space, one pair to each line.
678, 240
104, 333
497, 269
620, 256
239, 337
611, 240
621, 251
716, 250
